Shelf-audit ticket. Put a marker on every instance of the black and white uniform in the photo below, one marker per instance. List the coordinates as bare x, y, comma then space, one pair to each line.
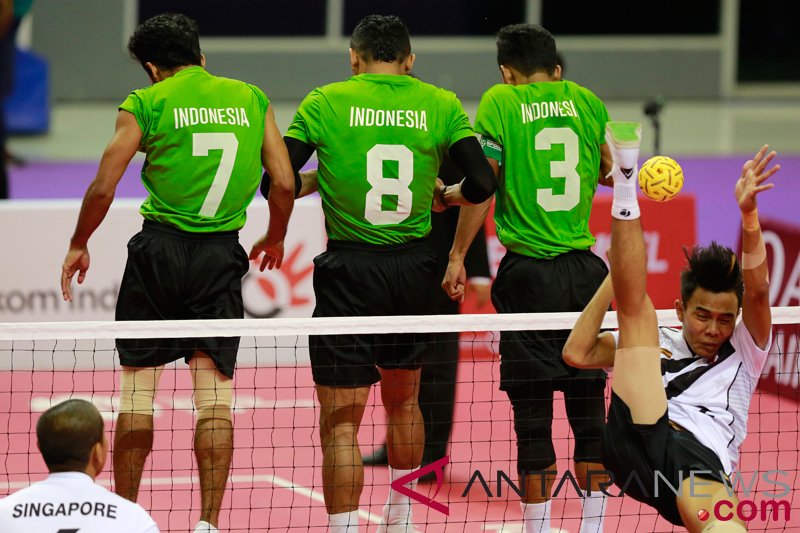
711, 398
708, 399
71, 502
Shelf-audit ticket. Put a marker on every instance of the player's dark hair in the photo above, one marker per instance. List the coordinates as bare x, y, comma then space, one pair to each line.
67, 433
528, 48
169, 41
714, 268
381, 38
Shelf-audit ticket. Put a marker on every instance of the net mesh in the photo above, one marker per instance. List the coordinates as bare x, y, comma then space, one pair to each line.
275, 481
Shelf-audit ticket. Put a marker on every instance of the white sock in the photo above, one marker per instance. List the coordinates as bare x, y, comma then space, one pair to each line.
398, 507
204, 527
594, 510
343, 522
536, 517
625, 173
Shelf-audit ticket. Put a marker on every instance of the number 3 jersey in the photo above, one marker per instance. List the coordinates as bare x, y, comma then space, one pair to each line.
546, 137
380, 139
202, 136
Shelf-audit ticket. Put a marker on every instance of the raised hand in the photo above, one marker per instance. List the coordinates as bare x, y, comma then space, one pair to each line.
751, 182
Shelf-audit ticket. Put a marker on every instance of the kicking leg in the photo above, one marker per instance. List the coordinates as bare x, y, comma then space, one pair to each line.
637, 376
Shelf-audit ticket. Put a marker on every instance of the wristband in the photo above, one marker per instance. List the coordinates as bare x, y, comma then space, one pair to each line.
750, 220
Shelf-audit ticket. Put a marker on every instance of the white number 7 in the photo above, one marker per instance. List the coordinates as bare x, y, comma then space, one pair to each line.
201, 144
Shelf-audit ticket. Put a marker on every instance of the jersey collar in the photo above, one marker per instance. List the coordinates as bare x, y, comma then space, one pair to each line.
77, 476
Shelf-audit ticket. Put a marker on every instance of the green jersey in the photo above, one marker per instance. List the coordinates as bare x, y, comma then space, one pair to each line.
202, 136
546, 137
380, 139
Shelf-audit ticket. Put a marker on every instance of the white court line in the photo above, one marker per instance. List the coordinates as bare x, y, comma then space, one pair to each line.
191, 480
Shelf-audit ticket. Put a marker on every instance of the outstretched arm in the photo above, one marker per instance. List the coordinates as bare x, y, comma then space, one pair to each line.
755, 303
586, 347
122, 147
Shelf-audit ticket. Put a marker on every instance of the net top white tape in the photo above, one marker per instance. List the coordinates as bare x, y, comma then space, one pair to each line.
275, 327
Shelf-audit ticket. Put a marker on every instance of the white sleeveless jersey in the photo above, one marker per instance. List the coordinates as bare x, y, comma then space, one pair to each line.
711, 397
71, 502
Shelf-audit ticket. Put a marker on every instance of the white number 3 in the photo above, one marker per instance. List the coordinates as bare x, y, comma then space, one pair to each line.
566, 169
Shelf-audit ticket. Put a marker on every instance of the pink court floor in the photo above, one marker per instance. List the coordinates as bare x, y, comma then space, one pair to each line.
275, 483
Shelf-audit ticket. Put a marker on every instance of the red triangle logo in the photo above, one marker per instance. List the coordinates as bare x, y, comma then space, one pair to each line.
437, 466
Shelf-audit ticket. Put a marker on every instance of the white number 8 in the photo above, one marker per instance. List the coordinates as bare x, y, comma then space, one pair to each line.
383, 186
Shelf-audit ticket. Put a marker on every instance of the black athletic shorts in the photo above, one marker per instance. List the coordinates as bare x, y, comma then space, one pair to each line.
176, 275
356, 279
533, 420
528, 285
635, 452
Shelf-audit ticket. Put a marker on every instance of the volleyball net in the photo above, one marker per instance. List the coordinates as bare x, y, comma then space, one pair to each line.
275, 482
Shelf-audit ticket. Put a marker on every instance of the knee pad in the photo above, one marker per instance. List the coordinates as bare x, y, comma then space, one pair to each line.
213, 391
587, 419
534, 445
138, 388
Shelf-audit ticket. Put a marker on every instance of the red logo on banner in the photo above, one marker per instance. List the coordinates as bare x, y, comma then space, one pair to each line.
266, 294
668, 228
781, 373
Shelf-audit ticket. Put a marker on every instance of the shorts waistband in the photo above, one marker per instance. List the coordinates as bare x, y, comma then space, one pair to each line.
375, 248
567, 253
172, 231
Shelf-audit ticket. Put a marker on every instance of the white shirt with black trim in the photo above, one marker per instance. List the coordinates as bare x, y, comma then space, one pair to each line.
71, 502
711, 397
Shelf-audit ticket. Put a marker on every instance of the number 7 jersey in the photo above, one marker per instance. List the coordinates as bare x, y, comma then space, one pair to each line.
546, 137
202, 136
380, 139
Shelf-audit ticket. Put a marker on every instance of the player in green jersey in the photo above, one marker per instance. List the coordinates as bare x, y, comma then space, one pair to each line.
206, 139
544, 137
380, 138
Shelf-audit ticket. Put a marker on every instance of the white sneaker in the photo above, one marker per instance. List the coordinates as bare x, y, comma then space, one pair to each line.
204, 527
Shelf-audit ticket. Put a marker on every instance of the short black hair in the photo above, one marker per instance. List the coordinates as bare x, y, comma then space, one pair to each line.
381, 38
169, 41
67, 433
528, 48
714, 268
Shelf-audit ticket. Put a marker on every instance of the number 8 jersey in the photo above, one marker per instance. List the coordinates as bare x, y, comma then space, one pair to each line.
380, 139
546, 137
202, 136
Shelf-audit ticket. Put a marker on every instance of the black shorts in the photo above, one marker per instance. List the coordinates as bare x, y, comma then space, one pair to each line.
527, 285
533, 420
176, 275
634, 452
355, 279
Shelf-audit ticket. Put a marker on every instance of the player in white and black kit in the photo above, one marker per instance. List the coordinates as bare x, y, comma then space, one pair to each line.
680, 397
72, 441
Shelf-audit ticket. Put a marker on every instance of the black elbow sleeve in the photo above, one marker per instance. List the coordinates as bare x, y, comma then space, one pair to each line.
299, 153
480, 181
